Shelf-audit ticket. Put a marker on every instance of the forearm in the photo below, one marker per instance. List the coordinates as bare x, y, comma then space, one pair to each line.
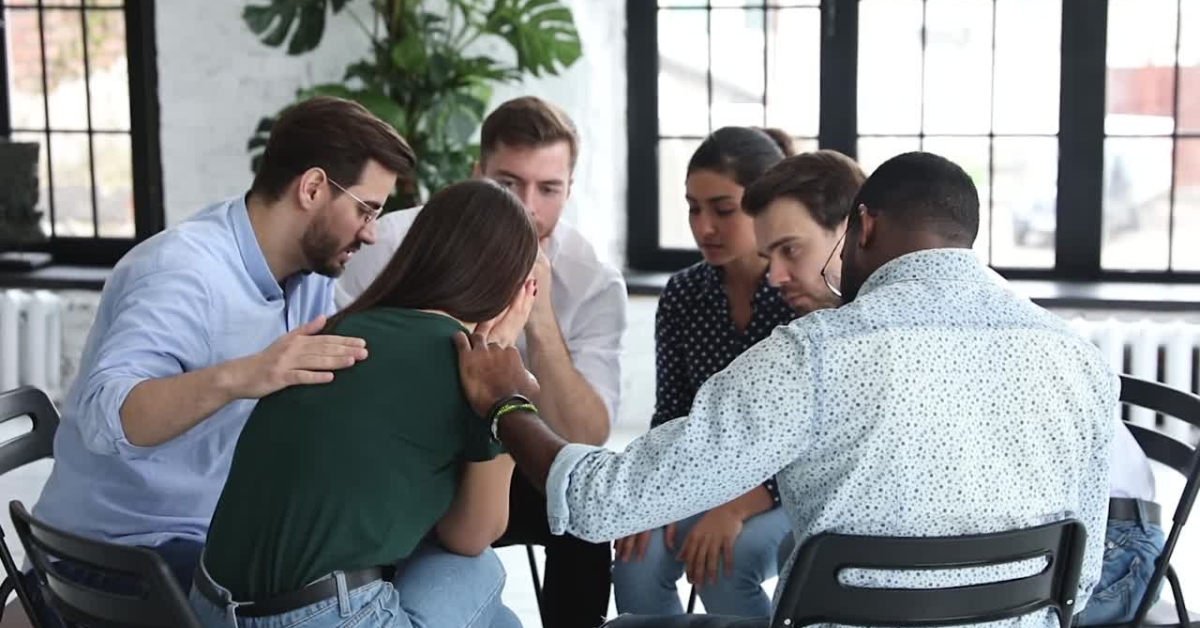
479, 513
158, 410
568, 403
532, 444
755, 502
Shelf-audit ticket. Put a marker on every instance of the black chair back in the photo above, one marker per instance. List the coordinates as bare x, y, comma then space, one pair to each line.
1175, 454
17, 452
157, 603
814, 594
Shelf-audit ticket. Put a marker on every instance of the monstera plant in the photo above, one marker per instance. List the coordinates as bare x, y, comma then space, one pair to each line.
426, 74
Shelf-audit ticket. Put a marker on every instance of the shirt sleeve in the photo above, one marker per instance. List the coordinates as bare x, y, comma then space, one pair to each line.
1093, 492
734, 439
674, 391
159, 328
595, 342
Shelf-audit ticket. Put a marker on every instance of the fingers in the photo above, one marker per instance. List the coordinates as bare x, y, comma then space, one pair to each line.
310, 328
727, 555
294, 378
478, 341
641, 541
669, 536
317, 362
461, 343
712, 560
624, 549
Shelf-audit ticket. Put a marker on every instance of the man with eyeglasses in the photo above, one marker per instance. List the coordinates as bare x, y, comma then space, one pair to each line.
198, 322
934, 402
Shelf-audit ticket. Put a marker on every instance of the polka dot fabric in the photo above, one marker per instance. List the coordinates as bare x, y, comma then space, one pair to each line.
937, 403
695, 337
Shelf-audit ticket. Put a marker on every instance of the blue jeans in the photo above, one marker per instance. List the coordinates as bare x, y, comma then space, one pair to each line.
181, 556
432, 589
647, 587
1130, 549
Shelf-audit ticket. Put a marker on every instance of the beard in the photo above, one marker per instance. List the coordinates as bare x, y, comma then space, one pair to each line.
323, 252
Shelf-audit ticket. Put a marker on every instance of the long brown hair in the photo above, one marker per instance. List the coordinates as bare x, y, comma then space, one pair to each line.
467, 254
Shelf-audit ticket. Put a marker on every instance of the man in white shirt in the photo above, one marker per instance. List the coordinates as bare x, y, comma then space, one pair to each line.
572, 342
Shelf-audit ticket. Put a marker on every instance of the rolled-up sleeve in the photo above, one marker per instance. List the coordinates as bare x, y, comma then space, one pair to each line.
595, 342
747, 423
157, 327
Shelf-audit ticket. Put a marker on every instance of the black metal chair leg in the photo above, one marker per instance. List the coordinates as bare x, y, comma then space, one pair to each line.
537, 579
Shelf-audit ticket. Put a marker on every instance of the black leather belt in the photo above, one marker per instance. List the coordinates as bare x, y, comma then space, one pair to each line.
321, 590
1127, 509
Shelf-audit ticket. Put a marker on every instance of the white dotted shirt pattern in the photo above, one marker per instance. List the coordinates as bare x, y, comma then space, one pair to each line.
937, 403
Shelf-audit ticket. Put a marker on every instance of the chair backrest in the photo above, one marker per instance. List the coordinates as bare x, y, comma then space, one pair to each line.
1166, 450
35, 444
157, 603
814, 594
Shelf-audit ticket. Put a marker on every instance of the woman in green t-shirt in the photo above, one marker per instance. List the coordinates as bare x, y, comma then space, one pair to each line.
332, 484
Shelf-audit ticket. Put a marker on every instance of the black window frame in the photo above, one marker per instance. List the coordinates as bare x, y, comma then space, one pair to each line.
1081, 136
141, 56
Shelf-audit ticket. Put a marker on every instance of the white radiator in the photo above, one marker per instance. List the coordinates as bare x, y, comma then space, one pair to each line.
1165, 352
31, 340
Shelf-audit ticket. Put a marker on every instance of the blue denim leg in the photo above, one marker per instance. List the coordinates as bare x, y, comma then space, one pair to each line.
373, 605
755, 560
648, 586
438, 589
1130, 549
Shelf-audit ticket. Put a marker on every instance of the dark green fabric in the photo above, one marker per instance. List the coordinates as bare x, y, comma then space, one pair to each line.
349, 474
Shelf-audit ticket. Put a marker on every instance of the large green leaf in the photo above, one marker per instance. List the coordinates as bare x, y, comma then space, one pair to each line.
301, 23
542, 32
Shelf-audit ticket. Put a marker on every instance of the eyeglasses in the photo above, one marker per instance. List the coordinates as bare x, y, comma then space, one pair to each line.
370, 214
825, 276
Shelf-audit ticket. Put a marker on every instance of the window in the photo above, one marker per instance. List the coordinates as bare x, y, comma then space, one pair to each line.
1079, 121
79, 80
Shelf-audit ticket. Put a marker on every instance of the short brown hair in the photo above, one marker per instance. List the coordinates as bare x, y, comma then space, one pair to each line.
467, 254
334, 134
527, 122
825, 181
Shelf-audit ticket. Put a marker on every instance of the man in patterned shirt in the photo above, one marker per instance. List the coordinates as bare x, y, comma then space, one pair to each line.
935, 402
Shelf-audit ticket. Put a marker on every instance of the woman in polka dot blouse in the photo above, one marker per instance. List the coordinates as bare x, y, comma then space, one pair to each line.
708, 314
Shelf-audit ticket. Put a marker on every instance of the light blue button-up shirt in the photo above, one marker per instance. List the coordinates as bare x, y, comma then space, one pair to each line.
938, 403
191, 297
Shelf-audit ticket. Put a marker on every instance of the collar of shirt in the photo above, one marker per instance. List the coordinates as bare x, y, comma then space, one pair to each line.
252, 255
931, 264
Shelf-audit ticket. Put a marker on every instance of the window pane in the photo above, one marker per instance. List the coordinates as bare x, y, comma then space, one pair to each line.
673, 229
1141, 67
114, 185
683, 73
43, 203
889, 66
737, 68
103, 3
873, 151
64, 69
1137, 203
1189, 67
794, 70
1028, 51
971, 154
958, 63
25, 96
71, 166
108, 70
1024, 201
682, 3
1185, 253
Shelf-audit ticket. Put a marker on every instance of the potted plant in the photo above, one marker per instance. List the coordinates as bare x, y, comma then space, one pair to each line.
20, 222
426, 75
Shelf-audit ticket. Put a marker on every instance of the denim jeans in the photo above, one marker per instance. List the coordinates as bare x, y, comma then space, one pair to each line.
1130, 549
647, 587
432, 589
181, 556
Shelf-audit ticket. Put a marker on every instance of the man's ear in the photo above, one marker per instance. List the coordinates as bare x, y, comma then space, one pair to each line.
867, 223
311, 187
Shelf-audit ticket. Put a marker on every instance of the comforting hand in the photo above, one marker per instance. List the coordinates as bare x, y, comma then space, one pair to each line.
710, 541
300, 357
507, 327
490, 372
633, 547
